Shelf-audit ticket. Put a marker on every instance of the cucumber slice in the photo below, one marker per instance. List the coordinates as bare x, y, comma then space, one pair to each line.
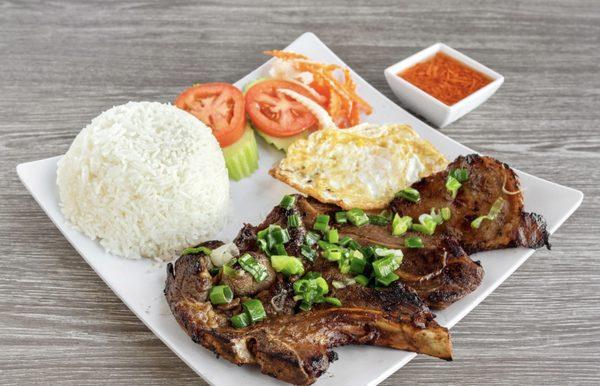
241, 157
253, 82
282, 143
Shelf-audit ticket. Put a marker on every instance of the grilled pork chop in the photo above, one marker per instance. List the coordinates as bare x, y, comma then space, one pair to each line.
441, 273
489, 179
295, 346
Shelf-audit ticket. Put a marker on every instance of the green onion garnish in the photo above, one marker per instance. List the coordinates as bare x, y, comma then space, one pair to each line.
308, 253
240, 320
288, 265
280, 235
376, 219
332, 253
335, 301
279, 249
321, 223
249, 264
287, 201
344, 241
409, 194
400, 224
333, 236
311, 238
436, 216
255, 310
354, 245
384, 266
446, 214
310, 290
228, 270
357, 217
200, 249
220, 294
452, 185
338, 284
427, 224
357, 262
362, 280
492, 214
341, 217
388, 279
461, 175
293, 221
414, 242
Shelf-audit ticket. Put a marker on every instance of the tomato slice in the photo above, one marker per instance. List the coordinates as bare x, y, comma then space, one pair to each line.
275, 113
220, 106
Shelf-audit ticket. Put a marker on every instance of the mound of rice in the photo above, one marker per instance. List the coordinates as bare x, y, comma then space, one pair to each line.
146, 179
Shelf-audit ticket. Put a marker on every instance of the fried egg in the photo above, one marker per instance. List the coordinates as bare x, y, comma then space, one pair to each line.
360, 167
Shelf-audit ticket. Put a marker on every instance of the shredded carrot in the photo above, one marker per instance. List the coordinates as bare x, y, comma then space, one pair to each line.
343, 103
445, 78
284, 54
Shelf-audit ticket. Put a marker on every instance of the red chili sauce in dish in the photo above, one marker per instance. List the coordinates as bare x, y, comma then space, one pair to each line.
445, 78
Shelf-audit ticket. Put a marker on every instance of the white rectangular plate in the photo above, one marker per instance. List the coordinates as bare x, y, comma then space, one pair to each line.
140, 283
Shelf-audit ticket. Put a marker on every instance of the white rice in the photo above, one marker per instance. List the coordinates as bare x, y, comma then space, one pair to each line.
146, 179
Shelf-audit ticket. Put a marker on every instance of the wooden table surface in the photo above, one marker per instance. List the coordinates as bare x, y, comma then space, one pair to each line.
62, 63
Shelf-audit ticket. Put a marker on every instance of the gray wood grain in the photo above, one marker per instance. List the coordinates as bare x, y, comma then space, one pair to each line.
61, 63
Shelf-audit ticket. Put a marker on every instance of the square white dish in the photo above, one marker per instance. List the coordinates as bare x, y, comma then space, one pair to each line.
140, 283
432, 109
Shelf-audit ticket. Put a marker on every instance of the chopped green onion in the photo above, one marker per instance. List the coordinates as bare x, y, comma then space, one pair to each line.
427, 224
377, 220
335, 301
262, 245
357, 262
452, 185
333, 254
280, 235
310, 290
293, 221
228, 270
345, 241
338, 284
322, 218
279, 249
384, 266
325, 245
414, 242
287, 201
357, 217
249, 264
400, 224
288, 265
200, 249
387, 214
461, 175
341, 217
255, 310
311, 238
492, 214
409, 194
321, 223
362, 280
388, 279
446, 214
220, 294
333, 236
308, 253
436, 216
240, 320
353, 245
